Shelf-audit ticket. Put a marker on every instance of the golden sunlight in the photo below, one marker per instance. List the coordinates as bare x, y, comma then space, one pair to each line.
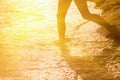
28, 18
23, 23
28, 46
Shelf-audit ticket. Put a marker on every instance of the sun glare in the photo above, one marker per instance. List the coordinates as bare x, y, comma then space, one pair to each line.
27, 18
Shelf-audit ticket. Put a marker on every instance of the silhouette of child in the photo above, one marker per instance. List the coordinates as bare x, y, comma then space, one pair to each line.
63, 6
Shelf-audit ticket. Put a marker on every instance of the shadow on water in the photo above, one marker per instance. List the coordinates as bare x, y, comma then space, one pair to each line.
85, 67
111, 59
110, 52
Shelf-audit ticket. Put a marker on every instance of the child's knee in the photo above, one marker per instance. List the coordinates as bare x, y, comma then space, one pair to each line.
89, 16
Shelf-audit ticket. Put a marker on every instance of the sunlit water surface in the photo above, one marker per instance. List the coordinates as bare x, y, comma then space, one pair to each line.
28, 31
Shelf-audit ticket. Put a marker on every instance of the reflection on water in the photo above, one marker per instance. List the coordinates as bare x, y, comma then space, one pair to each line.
97, 62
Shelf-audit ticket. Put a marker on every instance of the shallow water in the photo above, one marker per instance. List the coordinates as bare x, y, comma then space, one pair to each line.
28, 52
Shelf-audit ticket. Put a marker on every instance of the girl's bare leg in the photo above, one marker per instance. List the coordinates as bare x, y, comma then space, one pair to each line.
83, 8
63, 6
